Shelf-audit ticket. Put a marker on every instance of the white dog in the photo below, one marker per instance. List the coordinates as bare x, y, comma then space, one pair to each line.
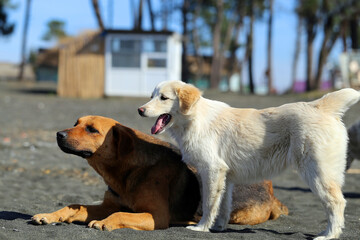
229, 145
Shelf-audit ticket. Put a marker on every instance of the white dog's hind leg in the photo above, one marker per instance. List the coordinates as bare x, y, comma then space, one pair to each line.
213, 188
223, 217
329, 191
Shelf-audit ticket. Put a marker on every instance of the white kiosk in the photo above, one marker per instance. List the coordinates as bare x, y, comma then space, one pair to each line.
135, 62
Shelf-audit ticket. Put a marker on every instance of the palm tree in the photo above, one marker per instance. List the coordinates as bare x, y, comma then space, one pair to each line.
151, 13
268, 72
249, 47
309, 11
184, 62
96, 8
55, 30
255, 9
196, 39
24, 41
297, 50
6, 28
215, 74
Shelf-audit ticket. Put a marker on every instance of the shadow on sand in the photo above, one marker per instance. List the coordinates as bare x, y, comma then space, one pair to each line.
37, 91
10, 216
249, 230
305, 190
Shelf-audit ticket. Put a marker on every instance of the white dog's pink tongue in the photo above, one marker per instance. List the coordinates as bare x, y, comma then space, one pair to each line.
158, 125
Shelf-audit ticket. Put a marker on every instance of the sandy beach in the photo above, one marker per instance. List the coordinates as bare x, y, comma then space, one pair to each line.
37, 177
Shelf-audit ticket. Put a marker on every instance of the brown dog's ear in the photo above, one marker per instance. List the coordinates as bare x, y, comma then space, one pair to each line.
188, 95
123, 140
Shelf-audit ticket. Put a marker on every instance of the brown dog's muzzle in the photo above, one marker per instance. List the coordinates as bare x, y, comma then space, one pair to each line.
61, 135
70, 145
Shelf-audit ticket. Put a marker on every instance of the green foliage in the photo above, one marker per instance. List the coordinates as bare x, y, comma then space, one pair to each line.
235, 11
8, 4
6, 28
32, 59
55, 30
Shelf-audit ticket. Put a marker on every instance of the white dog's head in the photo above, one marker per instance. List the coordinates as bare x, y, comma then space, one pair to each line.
169, 99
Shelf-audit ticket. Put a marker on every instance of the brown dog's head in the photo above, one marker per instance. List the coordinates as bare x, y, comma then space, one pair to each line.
168, 100
95, 136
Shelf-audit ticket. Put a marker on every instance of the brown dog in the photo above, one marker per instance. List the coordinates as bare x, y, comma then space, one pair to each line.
149, 186
353, 150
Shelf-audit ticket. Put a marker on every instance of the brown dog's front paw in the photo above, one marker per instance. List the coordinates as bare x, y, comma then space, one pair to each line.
45, 218
100, 225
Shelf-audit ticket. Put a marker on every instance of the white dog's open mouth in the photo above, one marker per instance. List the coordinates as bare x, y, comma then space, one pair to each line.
161, 123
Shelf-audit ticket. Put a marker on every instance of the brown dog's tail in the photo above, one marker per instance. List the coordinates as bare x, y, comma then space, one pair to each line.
337, 103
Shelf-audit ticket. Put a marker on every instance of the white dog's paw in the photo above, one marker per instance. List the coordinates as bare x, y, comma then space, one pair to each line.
219, 225
198, 228
321, 238
327, 236
218, 228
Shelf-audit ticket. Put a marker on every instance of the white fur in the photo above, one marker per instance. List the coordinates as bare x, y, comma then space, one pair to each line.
228, 145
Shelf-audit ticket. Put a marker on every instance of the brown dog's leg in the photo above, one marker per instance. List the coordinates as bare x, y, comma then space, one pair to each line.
148, 217
256, 203
278, 209
80, 213
72, 213
137, 221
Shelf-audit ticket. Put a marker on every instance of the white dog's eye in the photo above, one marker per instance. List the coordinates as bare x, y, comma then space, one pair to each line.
163, 98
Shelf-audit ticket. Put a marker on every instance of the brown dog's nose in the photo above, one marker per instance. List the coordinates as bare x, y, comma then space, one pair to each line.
141, 111
61, 135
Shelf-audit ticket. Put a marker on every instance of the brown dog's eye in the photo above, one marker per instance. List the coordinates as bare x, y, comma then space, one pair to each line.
163, 98
91, 129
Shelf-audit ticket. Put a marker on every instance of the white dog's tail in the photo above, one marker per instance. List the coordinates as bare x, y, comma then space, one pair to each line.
337, 102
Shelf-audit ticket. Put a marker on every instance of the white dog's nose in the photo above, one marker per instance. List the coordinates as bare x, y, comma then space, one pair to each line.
141, 111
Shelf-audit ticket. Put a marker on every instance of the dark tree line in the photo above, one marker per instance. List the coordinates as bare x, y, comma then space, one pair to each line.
225, 28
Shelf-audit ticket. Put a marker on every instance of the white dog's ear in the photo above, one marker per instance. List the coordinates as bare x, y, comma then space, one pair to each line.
188, 95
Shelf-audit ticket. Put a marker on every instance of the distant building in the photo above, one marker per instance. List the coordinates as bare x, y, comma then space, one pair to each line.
135, 62
113, 63
46, 65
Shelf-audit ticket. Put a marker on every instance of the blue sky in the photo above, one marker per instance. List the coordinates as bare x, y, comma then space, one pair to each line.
79, 16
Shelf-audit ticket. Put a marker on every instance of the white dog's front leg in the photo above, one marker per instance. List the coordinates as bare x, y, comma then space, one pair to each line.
223, 217
213, 188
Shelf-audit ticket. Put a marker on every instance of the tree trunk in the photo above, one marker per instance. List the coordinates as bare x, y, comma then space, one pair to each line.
140, 15
324, 50
24, 41
268, 72
354, 34
309, 60
234, 63
343, 29
196, 42
215, 74
95, 5
151, 13
185, 65
227, 41
310, 35
297, 52
250, 50
164, 14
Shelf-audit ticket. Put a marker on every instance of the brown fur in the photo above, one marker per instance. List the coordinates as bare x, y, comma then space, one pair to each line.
258, 205
153, 186
188, 96
353, 150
